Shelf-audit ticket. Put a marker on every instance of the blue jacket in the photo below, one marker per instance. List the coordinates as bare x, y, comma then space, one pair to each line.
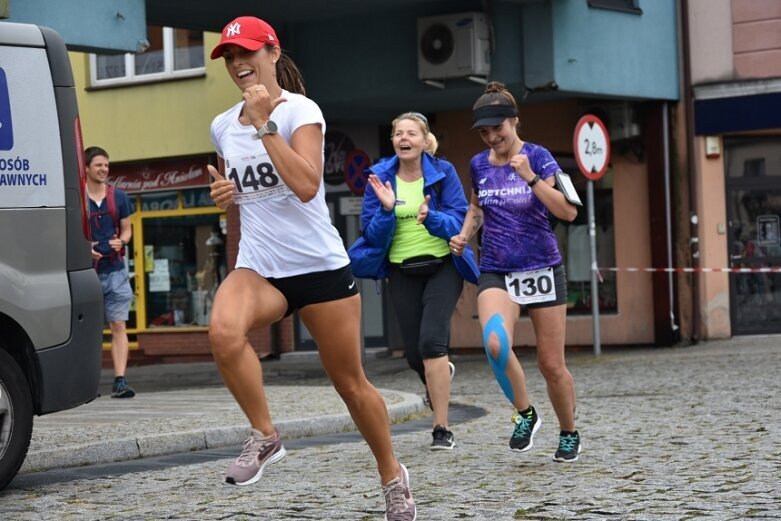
447, 209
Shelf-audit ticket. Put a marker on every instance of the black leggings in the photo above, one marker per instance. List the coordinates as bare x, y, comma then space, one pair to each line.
424, 306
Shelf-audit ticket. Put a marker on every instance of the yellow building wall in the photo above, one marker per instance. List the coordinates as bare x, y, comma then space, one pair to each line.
154, 120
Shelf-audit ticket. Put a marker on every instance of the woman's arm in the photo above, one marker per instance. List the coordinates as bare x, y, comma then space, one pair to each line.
446, 220
545, 190
300, 163
472, 222
221, 189
377, 221
554, 200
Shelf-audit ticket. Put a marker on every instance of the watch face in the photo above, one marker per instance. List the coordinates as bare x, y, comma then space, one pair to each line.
271, 127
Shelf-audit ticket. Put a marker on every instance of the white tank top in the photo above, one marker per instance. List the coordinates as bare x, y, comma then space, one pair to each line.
280, 235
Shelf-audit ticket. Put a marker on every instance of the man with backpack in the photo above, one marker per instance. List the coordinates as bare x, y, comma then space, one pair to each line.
109, 217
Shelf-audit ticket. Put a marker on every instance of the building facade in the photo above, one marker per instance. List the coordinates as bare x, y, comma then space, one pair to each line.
364, 63
731, 144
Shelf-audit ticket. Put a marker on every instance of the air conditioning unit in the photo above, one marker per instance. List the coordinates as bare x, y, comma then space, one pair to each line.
453, 46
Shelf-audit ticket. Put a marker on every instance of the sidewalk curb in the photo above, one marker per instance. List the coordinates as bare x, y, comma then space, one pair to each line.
143, 446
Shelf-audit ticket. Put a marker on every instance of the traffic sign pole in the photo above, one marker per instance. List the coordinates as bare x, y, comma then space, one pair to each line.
592, 153
592, 239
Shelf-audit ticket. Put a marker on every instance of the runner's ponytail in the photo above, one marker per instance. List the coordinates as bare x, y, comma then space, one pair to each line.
289, 76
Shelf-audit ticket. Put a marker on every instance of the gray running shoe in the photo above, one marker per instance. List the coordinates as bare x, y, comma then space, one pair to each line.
443, 439
258, 452
399, 505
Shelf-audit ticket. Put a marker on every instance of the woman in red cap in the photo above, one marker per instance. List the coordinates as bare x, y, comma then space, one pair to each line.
291, 258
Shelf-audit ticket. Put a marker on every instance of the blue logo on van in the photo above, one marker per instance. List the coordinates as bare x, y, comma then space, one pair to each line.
6, 130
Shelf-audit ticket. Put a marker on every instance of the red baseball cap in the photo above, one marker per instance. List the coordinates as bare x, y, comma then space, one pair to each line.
247, 32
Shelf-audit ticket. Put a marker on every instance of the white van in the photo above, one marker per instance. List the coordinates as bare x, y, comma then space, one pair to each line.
51, 303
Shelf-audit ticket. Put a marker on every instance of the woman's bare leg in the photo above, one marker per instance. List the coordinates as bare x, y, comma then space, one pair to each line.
244, 300
438, 384
335, 327
549, 327
491, 302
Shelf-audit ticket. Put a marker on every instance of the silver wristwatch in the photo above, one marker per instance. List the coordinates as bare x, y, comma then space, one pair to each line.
269, 128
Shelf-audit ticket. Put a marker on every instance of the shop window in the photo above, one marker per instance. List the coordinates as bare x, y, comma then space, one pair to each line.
184, 262
575, 247
160, 201
172, 53
754, 167
197, 198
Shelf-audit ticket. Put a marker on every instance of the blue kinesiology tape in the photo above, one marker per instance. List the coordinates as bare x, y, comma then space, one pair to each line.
495, 326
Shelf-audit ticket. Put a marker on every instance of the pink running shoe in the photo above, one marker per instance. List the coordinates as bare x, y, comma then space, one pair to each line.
399, 505
258, 452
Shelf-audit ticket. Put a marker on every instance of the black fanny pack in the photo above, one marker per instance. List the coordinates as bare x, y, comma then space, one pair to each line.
422, 265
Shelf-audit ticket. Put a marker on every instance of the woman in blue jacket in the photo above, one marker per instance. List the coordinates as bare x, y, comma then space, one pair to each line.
413, 204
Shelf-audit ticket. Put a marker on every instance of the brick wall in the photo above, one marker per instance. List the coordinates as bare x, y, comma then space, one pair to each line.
756, 38
193, 344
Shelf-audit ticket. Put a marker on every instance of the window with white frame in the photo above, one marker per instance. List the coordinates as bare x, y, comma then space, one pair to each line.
172, 53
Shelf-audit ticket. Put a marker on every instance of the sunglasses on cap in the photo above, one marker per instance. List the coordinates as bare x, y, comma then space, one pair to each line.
413, 115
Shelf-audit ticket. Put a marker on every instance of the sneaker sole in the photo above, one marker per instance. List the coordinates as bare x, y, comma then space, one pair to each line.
443, 447
254, 479
564, 460
125, 394
531, 438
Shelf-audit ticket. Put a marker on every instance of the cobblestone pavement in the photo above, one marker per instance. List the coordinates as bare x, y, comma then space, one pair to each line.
668, 434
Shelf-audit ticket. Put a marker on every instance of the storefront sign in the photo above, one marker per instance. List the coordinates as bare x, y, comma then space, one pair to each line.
161, 175
337, 146
350, 205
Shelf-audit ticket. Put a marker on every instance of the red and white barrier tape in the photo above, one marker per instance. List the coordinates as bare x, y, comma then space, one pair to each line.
697, 270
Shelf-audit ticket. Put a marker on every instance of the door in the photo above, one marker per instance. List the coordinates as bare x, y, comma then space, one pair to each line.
753, 169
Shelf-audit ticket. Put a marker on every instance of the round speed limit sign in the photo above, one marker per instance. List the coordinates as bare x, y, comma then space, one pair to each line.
592, 146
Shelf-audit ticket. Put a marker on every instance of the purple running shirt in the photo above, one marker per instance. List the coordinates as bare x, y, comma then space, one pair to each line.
517, 235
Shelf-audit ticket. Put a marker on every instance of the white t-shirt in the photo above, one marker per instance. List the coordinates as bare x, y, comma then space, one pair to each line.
280, 235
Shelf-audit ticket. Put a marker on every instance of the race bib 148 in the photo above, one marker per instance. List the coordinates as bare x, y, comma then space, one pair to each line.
255, 178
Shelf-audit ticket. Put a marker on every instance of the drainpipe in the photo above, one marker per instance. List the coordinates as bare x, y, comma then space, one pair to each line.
693, 218
668, 215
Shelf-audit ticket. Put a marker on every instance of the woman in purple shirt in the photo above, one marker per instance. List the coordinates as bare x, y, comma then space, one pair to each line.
514, 192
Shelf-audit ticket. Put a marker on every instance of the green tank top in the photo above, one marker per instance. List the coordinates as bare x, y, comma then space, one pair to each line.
412, 239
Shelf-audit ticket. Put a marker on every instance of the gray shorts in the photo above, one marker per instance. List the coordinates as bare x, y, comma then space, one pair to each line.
117, 295
496, 280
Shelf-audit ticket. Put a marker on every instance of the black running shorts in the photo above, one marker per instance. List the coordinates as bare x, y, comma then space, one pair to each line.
317, 287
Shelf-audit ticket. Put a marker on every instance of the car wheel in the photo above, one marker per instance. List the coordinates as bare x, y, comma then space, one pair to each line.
16, 418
